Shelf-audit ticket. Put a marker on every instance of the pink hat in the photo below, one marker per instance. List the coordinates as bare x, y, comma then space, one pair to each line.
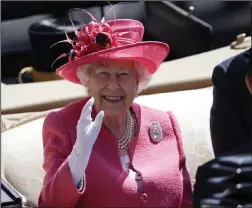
119, 39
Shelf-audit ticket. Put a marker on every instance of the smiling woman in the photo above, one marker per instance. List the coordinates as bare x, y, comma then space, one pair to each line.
113, 86
106, 150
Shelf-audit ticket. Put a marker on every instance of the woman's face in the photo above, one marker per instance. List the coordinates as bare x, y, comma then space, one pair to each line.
113, 84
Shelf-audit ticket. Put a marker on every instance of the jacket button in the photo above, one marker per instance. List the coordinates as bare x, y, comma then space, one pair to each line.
144, 197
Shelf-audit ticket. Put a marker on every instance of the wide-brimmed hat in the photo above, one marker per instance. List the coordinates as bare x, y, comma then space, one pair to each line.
119, 39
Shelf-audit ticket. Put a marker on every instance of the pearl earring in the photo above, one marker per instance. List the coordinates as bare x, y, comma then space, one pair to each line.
88, 92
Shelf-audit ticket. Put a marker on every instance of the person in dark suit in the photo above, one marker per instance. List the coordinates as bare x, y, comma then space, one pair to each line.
227, 180
231, 112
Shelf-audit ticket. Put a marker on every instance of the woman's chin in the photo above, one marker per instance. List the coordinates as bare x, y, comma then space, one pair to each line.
114, 112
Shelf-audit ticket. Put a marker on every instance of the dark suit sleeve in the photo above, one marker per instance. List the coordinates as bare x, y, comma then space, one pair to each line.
226, 120
200, 191
205, 189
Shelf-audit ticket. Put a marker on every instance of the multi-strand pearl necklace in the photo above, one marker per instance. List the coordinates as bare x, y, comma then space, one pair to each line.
124, 141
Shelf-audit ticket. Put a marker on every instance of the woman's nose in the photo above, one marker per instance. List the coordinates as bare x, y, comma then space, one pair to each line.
113, 82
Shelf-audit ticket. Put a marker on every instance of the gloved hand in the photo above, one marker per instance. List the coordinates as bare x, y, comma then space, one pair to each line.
227, 182
87, 133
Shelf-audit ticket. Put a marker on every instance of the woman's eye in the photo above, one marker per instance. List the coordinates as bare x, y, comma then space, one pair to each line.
103, 73
123, 74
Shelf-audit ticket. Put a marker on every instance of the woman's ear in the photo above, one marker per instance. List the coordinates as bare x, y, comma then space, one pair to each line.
87, 88
248, 80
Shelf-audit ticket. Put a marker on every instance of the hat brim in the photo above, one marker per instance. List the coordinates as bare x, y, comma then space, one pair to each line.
150, 54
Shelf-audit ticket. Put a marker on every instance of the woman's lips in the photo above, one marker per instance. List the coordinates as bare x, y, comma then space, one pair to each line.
113, 99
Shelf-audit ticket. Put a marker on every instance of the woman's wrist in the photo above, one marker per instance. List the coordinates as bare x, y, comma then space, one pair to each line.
77, 166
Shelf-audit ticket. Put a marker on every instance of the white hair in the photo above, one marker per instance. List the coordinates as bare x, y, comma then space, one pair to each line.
144, 76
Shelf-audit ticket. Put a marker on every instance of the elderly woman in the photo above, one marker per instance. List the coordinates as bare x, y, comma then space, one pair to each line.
105, 150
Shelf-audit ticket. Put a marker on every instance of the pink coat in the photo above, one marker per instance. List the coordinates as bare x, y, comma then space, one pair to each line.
162, 165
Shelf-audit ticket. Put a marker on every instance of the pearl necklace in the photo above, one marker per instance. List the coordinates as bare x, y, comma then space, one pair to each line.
123, 142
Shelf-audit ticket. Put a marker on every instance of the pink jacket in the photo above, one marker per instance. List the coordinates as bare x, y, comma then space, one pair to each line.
162, 165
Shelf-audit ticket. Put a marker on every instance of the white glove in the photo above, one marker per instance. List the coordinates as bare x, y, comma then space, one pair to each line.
87, 133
